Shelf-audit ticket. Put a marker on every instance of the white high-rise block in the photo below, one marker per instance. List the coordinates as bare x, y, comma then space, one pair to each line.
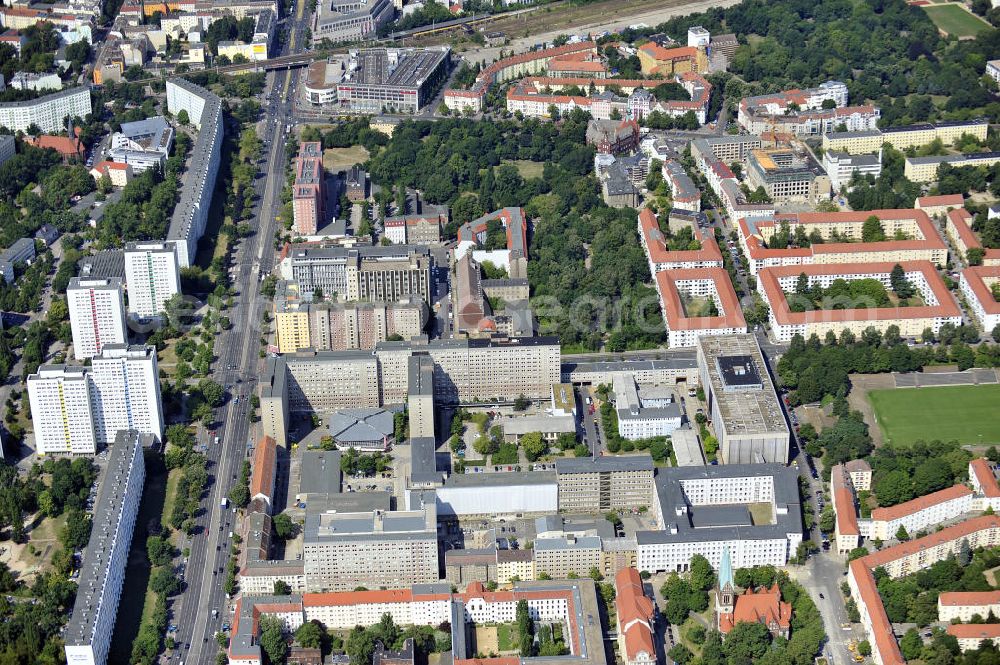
152, 275
125, 391
61, 410
96, 314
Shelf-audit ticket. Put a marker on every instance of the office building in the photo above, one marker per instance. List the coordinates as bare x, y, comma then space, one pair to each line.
840, 167
22, 251
362, 273
309, 189
706, 510
349, 20
671, 61
496, 495
152, 275
777, 285
788, 175
61, 413
745, 413
48, 112
125, 391
512, 227
142, 145
394, 80
600, 484
96, 315
7, 148
342, 551
567, 556
638, 419
88, 634
613, 137
204, 110
367, 429
420, 397
415, 229
341, 326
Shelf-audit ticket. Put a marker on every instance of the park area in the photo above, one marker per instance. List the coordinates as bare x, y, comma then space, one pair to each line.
956, 20
963, 413
342, 159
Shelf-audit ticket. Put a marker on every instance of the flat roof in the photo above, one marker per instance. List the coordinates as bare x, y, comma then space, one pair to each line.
106, 263
423, 461
320, 472
500, 479
604, 464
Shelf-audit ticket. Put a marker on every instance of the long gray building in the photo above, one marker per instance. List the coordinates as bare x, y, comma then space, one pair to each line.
362, 273
88, 634
190, 217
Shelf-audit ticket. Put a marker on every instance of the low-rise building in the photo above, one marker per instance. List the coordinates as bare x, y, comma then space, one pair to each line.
639, 420
720, 314
920, 514
613, 136
636, 617
964, 605
415, 229
143, 145
841, 167
979, 286
939, 206
847, 533
118, 173
958, 227
971, 636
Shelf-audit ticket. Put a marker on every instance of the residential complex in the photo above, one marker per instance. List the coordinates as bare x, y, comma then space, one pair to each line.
713, 157
836, 239
152, 275
978, 285
204, 109
925, 169
309, 190
681, 293
654, 242
415, 229
96, 315
742, 402
635, 615
958, 226
513, 256
95, 610
73, 409
48, 112
901, 138
937, 308
921, 513
705, 510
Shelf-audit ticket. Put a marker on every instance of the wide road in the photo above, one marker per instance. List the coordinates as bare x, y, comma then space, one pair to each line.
236, 368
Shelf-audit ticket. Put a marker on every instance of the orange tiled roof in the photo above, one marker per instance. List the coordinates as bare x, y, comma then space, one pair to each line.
763, 606
843, 500
264, 462
920, 503
969, 598
983, 631
657, 249
976, 278
673, 310
956, 200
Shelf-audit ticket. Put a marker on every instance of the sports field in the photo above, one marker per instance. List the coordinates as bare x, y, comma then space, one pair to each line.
967, 414
956, 20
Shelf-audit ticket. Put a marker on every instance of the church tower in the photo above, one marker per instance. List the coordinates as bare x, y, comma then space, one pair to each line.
725, 596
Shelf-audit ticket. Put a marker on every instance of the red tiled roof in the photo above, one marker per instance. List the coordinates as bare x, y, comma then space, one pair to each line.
661, 54
976, 277
635, 613
673, 307
956, 200
843, 501
64, 145
110, 166
983, 631
920, 503
961, 220
768, 278
652, 237
984, 473
969, 598
264, 461
763, 606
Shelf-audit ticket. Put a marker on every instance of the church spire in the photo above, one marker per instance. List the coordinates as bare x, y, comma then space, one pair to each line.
726, 570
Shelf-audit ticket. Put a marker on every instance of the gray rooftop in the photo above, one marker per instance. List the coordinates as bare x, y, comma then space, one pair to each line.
423, 462
361, 426
106, 263
320, 472
500, 479
604, 464
571, 543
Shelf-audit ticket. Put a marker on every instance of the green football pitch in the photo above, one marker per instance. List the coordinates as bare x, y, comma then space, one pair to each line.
968, 414
956, 20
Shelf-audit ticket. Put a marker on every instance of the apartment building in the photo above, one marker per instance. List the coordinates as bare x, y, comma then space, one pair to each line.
742, 400
805, 100
343, 326
48, 112
679, 289
910, 236
686, 196
703, 510
904, 559
328, 381
415, 229
660, 258
925, 169
636, 618
904, 137
96, 315
713, 157
514, 259
152, 275
964, 605
309, 189
362, 273
592, 485
939, 305
973, 636
342, 551
88, 634
671, 61
847, 533
978, 284
922, 513
958, 227
125, 391
61, 414
204, 109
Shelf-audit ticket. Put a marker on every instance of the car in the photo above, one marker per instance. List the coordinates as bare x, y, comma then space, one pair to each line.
822, 596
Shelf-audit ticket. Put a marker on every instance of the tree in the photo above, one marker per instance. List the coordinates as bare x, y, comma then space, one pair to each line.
310, 635
702, 575
182, 117
272, 639
284, 528
996, 333
680, 654
901, 533
164, 582
864, 648
974, 255
281, 588
911, 645
534, 445
521, 403
211, 391
827, 520
871, 230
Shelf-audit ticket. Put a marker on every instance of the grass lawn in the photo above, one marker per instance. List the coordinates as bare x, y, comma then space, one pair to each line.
956, 20
341, 159
527, 168
506, 638
44, 539
698, 306
761, 513
965, 413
